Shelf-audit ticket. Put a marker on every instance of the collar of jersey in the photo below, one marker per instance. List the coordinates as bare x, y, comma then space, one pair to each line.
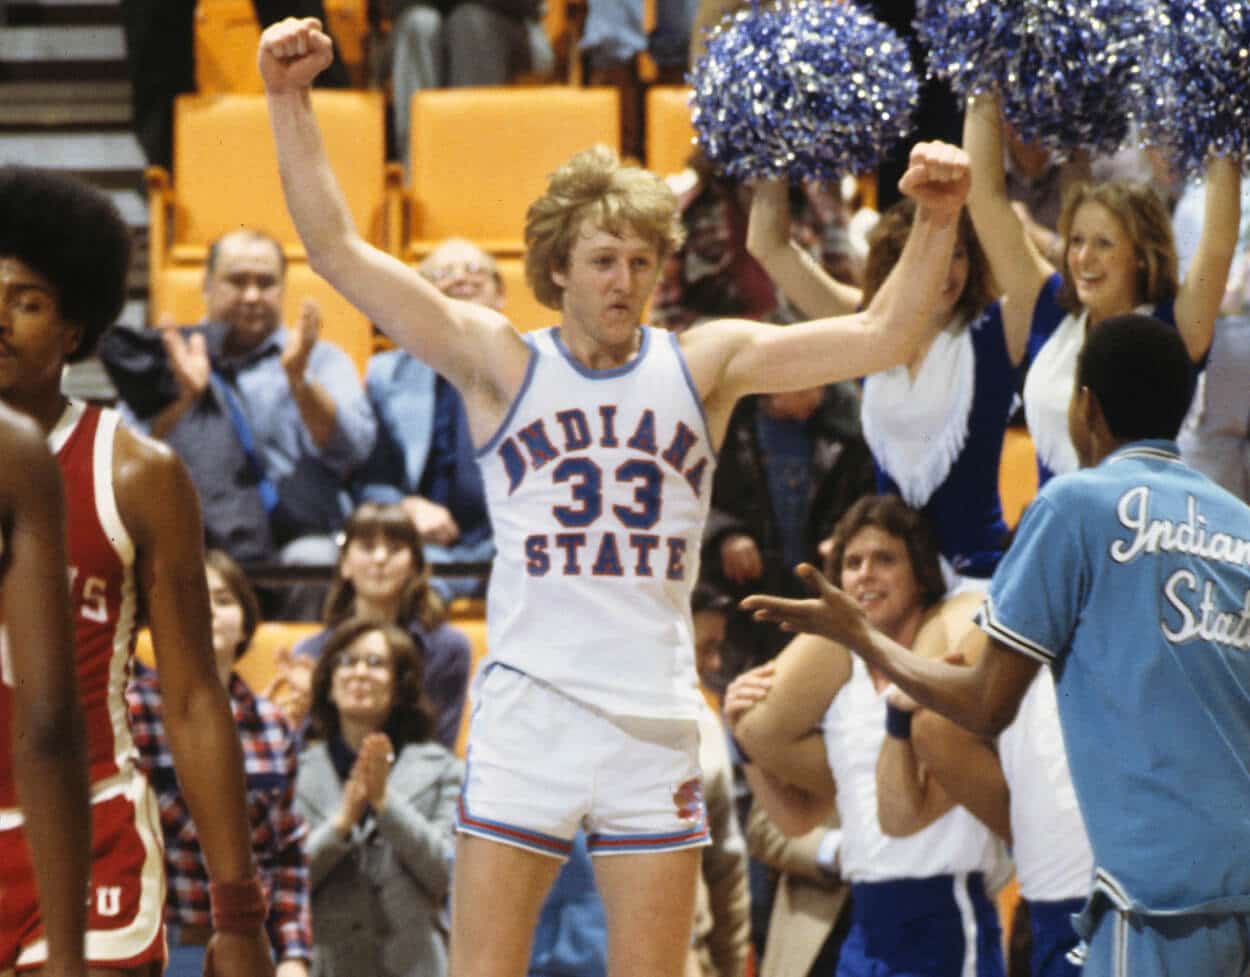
616, 371
1158, 449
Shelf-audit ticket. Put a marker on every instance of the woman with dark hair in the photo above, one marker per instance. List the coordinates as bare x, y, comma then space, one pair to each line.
934, 424
382, 574
380, 797
269, 763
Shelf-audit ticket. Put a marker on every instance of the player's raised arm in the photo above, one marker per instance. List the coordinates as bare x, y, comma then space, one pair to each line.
49, 754
470, 345
799, 276
1018, 267
1202, 291
735, 358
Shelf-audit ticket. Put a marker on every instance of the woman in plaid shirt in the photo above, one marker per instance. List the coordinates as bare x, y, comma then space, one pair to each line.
269, 753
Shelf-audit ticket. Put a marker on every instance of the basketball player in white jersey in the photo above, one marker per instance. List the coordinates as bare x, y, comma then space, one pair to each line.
43, 761
596, 440
134, 545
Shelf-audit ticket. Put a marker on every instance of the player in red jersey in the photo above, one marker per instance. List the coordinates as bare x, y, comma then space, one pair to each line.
39, 714
134, 547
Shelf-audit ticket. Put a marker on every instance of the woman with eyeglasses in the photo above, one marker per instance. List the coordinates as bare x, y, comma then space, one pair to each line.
379, 795
382, 574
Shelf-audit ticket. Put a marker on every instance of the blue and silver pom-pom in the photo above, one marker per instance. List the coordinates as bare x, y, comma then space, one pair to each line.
809, 89
1069, 73
1198, 82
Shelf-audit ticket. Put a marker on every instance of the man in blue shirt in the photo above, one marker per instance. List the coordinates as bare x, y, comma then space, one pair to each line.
1131, 579
295, 402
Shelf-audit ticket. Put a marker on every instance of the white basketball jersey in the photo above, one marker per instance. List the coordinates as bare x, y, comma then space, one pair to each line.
598, 485
1053, 859
854, 730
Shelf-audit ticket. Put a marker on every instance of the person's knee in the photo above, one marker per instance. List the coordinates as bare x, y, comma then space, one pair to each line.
418, 24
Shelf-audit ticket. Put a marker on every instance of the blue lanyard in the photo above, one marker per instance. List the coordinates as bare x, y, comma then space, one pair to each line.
238, 420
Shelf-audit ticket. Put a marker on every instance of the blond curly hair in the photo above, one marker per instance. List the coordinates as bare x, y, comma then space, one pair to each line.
595, 185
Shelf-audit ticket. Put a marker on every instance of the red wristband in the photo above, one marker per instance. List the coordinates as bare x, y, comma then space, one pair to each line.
238, 907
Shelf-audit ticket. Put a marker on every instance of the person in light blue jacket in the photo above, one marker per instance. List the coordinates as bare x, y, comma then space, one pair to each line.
424, 456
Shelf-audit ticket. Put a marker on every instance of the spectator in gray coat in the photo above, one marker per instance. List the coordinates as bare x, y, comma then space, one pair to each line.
379, 796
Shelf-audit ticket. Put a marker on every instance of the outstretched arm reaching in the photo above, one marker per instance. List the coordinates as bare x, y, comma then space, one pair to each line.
982, 699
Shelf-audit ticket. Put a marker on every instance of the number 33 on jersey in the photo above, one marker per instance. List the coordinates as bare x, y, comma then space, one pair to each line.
603, 473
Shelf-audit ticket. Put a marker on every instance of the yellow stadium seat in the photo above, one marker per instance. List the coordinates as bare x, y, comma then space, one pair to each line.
226, 171
348, 23
480, 155
227, 34
181, 299
669, 133
227, 177
522, 309
1017, 474
1008, 900
226, 37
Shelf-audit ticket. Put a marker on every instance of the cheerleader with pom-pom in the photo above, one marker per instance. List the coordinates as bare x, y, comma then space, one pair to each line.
1118, 256
935, 424
939, 421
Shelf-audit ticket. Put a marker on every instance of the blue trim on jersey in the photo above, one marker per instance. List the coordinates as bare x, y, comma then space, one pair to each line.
616, 371
639, 844
509, 834
1013, 639
685, 372
530, 367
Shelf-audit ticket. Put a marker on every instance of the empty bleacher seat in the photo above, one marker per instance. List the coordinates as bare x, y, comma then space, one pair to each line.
1017, 474
227, 35
522, 309
669, 132
479, 156
226, 177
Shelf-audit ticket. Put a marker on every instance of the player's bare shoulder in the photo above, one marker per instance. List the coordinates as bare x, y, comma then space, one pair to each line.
27, 465
151, 485
20, 443
708, 348
946, 623
495, 371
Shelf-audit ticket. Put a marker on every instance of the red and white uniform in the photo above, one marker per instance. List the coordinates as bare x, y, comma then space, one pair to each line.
128, 883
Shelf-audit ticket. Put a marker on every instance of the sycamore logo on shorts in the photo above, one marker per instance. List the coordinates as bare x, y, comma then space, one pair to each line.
688, 797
